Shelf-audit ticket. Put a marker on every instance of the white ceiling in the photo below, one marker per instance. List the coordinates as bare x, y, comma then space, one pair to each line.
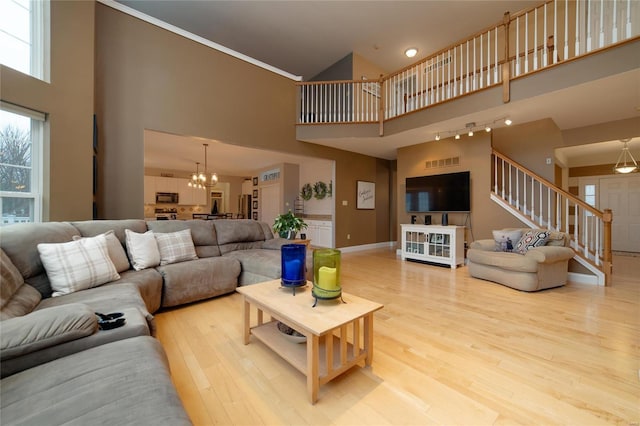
304, 37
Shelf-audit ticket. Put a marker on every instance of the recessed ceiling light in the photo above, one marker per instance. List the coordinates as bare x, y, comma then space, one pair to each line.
508, 122
411, 52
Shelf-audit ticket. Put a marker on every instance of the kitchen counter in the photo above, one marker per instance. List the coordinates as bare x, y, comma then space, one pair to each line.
317, 217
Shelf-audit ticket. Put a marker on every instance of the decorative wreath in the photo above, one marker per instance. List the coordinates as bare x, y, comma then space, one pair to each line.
320, 190
306, 192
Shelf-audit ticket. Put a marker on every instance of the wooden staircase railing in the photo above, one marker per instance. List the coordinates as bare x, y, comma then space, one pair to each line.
539, 203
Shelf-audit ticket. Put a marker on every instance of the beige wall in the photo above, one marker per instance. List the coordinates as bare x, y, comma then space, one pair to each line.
530, 144
68, 102
148, 78
475, 156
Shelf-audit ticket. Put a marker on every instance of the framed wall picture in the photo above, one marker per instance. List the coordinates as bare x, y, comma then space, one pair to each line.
255, 215
365, 195
255, 181
255, 193
255, 204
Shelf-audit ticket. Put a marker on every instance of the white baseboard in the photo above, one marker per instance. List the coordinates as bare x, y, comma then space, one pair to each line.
577, 278
388, 244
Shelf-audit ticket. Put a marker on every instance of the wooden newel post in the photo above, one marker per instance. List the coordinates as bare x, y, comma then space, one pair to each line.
607, 218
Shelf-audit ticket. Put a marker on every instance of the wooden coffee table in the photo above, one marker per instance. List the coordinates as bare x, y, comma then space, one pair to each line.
338, 335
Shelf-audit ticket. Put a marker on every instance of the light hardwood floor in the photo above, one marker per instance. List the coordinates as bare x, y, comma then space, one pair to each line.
449, 349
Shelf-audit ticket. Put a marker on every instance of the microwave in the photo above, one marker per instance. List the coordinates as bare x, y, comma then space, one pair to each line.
166, 198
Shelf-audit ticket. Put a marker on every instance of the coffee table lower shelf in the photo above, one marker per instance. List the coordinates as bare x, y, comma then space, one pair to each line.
296, 353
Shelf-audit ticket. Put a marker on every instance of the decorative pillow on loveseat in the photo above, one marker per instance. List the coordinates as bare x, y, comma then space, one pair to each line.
77, 265
506, 239
531, 239
175, 247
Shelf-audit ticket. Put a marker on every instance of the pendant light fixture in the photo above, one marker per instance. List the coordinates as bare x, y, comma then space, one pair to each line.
626, 163
199, 180
214, 175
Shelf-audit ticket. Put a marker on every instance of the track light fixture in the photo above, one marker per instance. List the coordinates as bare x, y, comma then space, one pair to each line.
471, 127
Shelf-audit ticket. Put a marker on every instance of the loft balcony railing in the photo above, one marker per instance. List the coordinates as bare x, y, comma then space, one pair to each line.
551, 33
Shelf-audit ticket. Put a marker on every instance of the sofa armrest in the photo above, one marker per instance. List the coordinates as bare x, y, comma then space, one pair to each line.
550, 254
486, 245
45, 328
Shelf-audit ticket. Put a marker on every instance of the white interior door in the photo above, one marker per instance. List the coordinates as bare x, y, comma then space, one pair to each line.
269, 203
622, 196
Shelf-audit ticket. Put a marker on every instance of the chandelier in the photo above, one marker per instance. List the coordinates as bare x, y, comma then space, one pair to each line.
199, 180
626, 163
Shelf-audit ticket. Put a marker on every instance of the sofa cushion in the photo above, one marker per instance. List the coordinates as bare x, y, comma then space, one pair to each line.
175, 247
45, 328
77, 265
21, 303
203, 233
143, 249
530, 239
120, 383
259, 261
238, 234
506, 261
198, 279
506, 239
20, 242
116, 252
91, 228
11, 279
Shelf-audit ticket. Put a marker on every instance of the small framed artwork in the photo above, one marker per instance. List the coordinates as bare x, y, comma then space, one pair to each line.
255, 181
255, 193
255, 204
255, 215
365, 195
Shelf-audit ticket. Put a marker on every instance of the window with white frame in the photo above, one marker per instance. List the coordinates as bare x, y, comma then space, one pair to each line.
21, 140
24, 36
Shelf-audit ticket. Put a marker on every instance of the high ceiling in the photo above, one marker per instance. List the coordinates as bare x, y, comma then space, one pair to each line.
305, 37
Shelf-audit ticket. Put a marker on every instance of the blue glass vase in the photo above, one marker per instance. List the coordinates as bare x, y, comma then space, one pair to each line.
293, 258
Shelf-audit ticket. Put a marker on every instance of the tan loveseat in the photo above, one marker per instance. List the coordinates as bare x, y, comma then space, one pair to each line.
539, 268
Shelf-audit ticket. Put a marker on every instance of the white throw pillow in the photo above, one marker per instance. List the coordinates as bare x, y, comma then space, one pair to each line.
143, 249
506, 240
175, 247
77, 265
115, 250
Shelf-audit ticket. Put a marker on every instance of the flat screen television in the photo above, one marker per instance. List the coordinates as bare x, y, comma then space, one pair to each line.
450, 192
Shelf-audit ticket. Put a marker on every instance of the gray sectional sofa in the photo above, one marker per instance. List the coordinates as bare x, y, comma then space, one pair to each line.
52, 348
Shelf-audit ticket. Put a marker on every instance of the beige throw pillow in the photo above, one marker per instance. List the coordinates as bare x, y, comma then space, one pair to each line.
115, 250
175, 247
77, 265
143, 249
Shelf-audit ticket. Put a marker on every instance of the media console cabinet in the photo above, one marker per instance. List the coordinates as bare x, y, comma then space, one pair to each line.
433, 243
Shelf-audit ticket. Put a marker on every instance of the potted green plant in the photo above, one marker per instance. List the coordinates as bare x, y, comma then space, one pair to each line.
287, 225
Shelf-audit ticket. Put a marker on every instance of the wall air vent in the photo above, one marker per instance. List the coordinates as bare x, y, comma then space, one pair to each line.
442, 162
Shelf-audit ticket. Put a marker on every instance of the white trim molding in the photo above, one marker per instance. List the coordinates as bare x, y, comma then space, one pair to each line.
166, 26
388, 244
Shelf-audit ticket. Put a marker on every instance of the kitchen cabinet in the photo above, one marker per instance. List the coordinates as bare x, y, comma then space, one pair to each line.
166, 184
320, 232
149, 189
190, 196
